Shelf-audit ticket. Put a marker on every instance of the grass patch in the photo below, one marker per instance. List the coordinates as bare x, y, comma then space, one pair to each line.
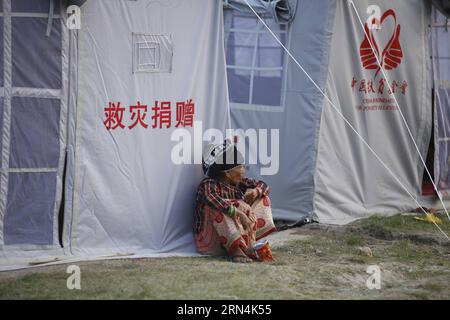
326, 264
353, 239
389, 228
432, 286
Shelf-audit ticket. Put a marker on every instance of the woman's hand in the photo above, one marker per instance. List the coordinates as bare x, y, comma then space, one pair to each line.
246, 222
247, 211
250, 195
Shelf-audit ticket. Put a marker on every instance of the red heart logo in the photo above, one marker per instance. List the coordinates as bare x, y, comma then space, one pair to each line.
389, 57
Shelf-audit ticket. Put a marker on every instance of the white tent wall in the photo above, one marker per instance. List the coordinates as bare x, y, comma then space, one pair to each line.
33, 120
128, 195
295, 110
350, 183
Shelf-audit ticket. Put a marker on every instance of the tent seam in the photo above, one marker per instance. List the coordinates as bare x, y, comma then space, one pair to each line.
7, 71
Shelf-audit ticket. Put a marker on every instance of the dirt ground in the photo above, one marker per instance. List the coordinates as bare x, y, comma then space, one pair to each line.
311, 262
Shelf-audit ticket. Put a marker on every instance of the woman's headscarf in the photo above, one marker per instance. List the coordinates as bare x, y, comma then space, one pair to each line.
221, 157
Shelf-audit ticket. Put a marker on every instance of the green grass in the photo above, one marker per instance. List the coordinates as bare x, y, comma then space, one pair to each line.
400, 223
324, 265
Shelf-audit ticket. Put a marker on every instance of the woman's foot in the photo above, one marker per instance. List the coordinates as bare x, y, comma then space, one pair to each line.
239, 256
241, 259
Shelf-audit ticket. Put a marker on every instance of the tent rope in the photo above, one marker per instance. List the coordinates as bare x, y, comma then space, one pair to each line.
51, 10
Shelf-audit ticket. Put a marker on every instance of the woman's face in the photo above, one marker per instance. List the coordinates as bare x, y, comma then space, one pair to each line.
236, 174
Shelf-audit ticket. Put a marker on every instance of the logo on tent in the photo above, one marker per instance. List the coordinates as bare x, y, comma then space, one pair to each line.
389, 53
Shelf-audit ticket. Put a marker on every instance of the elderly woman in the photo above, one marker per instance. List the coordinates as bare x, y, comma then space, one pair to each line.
232, 212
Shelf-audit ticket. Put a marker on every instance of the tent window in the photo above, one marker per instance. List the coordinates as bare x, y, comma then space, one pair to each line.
254, 59
152, 53
1, 129
441, 67
1, 54
29, 212
31, 89
33, 6
34, 133
35, 47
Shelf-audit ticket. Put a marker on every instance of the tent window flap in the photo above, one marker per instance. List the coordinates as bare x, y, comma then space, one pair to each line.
152, 53
281, 10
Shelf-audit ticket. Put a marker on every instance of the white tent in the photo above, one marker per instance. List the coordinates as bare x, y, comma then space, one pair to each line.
326, 170
122, 192
87, 116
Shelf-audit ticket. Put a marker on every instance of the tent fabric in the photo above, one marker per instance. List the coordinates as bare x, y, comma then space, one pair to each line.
349, 182
128, 195
440, 44
33, 121
63, 132
297, 112
443, 6
39, 6
71, 138
282, 11
76, 2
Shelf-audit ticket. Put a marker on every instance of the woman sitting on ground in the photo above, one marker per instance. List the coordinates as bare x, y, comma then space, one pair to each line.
232, 212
